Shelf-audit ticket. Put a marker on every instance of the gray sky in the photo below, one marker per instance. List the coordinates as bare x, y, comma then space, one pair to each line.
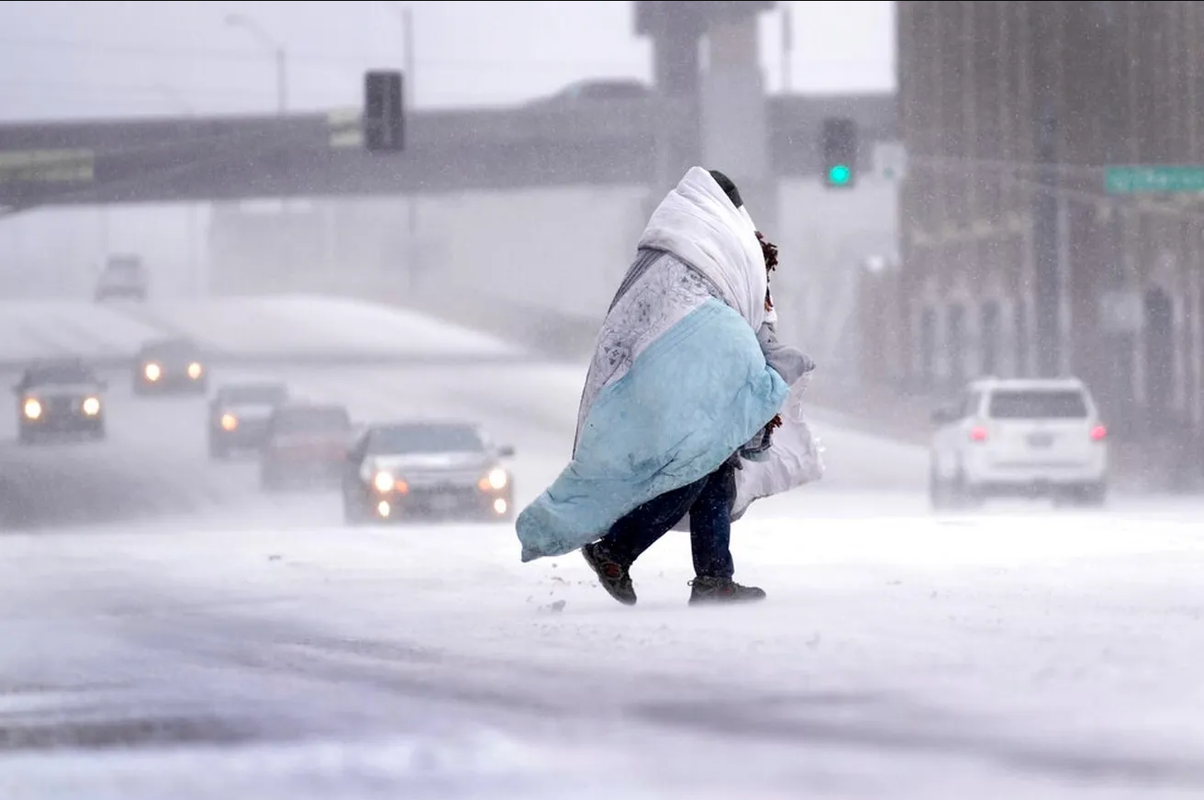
96, 59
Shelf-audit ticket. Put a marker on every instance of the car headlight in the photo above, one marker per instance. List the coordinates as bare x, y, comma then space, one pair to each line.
32, 408
383, 482
91, 406
229, 422
152, 371
497, 478
194, 370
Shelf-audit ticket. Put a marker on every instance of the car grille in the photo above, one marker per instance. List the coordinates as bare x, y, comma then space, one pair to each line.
448, 480
60, 406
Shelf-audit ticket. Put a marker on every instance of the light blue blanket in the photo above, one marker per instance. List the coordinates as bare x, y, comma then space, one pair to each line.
687, 402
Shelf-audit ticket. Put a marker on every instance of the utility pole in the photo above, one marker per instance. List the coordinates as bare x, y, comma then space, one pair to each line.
787, 49
197, 282
281, 82
407, 104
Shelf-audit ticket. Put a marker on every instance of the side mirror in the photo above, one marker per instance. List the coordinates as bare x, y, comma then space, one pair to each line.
506, 451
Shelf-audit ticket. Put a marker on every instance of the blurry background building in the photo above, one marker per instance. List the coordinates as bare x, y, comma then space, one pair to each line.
1016, 259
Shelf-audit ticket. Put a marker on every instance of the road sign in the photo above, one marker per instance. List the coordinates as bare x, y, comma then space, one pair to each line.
890, 161
1154, 180
346, 128
46, 166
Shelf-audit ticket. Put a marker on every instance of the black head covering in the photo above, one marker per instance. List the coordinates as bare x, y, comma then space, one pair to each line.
728, 187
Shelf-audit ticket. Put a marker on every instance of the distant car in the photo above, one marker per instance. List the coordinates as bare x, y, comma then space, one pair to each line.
170, 365
122, 276
599, 90
304, 444
426, 469
59, 397
1019, 438
239, 413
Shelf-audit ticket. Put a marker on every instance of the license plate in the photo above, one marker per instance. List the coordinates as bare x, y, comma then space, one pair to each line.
442, 502
1040, 439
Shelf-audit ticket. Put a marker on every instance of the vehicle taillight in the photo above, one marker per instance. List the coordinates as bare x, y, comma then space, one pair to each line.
1099, 433
978, 434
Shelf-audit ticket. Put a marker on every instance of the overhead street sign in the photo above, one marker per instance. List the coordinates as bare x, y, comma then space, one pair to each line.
1154, 180
346, 128
46, 166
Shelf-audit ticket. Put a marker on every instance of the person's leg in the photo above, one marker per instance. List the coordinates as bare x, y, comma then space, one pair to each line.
711, 524
642, 527
611, 557
710, 540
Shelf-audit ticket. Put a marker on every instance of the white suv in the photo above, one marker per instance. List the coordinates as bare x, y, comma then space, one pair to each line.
1019, 438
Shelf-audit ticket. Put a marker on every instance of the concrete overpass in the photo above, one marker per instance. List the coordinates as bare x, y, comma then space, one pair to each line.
540, 145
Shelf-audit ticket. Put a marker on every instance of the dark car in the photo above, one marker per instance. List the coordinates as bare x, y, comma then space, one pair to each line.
239, 413
170, 365
426, 469
598, 90
57, 398
304, 444
123, 276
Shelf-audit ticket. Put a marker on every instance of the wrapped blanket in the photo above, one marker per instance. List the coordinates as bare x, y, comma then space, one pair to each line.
679, 381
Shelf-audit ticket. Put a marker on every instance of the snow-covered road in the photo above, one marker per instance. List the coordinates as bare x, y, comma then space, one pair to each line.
171, 632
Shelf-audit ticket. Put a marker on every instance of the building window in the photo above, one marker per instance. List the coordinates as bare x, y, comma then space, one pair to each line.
1159, 360
989, 337
955, 344
927, 347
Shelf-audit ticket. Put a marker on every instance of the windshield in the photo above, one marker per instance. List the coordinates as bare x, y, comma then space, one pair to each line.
171, 350
402, 439
58, 373
266, 393
317, 419
1038, 404
604, 90
125, 265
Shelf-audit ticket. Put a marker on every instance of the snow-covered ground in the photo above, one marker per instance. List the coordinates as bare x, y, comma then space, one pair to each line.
1017, 656
184, 636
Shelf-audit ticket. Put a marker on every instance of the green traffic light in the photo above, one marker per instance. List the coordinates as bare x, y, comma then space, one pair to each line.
839, 174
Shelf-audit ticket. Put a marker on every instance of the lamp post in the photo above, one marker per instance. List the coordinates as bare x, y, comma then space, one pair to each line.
270, 44
406, 16
196, 280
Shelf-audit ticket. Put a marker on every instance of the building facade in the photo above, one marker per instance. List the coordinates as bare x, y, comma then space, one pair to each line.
1015, 259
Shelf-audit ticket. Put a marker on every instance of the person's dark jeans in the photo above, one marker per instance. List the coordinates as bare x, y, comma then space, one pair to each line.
709, 503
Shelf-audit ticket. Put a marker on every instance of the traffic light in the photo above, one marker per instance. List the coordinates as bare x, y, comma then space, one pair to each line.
384, 123
838, 146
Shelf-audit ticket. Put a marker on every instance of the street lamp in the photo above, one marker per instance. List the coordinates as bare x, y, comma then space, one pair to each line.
407, 36
252, 27
406, 14
191, 223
